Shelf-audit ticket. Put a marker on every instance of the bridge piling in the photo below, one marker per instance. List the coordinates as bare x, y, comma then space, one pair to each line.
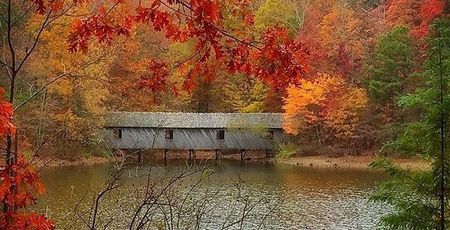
190, 155
217, 154
242, 154
165, 156
268, 153
140, 157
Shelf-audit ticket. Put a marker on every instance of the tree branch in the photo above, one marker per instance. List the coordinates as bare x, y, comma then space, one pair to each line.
41, 89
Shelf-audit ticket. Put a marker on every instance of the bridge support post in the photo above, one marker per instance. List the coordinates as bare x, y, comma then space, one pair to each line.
140, 157
190, 156
242, 154
217, 154
165, 156
268, 153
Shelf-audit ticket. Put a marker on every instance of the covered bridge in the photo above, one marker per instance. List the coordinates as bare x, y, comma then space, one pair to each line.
193, 131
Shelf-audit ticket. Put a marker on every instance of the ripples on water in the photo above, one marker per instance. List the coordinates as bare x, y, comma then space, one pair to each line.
301, 198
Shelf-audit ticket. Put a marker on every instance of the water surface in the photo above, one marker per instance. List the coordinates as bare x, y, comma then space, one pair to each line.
284, 197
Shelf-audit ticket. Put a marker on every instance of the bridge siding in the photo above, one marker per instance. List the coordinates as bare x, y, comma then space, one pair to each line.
190, 138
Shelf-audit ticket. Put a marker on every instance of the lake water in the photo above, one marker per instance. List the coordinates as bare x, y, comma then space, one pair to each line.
227, 196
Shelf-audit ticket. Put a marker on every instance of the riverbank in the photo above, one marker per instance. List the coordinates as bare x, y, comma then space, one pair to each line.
351, 162
347, 161
48, 161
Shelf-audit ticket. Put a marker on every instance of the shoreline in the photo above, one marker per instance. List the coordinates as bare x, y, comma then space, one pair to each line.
81, 161
352, 162
317, 161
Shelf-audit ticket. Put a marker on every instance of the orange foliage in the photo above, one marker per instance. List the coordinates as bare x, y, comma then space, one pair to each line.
329, 102
6, 111
275, 58
416, 14
338, 36
403, 12
342, 27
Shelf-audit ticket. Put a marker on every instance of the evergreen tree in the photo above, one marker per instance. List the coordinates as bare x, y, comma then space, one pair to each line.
420, 199
391, 66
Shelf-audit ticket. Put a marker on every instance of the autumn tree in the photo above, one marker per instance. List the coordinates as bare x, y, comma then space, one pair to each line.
74, 104
277, 12
18, 47
19, 184
124, 74
309, 31
245, 95
415, 14
339, 37
326, 108
275, 59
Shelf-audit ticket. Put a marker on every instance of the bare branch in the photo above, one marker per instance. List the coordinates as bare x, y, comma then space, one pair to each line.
54, 80
40, 90
35, 42
25, 13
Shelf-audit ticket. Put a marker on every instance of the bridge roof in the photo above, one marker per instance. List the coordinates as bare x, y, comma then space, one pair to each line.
193, 120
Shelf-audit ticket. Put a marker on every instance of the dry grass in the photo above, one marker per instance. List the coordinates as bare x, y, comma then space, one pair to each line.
355, 162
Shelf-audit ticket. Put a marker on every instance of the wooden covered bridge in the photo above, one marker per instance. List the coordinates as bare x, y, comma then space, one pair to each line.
194, 131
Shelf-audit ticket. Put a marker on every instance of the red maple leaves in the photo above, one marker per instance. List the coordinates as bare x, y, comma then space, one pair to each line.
417, 14
98, 26
45, 6
281, 61
160, 74
429, 10
17, 182
6, 111
22, 175
275, 58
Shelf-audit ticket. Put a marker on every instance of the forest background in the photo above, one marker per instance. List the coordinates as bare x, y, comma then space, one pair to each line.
361, 55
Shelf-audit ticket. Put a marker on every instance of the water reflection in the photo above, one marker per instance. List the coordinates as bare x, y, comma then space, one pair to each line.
306, 198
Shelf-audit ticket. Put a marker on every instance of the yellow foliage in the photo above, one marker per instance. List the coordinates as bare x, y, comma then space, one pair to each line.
276, 13
71, 126
327, 101
344, 118
76, 101
244, 94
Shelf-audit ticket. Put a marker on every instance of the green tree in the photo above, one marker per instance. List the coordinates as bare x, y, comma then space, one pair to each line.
420, 199
391, 67
277, 13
